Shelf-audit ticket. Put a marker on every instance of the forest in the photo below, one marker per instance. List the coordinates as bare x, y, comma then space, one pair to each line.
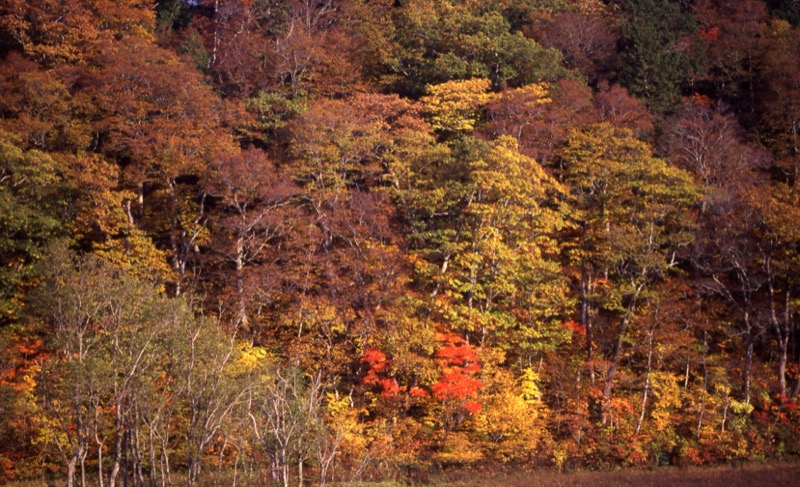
296, 242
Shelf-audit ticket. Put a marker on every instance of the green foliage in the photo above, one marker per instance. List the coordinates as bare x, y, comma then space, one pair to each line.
493, 259
34, 200
635, 208
272, 112
657, 58
440, 41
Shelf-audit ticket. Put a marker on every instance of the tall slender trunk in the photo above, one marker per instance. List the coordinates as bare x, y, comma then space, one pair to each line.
748, 365
705, 387
100, 463
152, 451
241, 318
300, 473
608, 386
646, 390
118, 450
585, 295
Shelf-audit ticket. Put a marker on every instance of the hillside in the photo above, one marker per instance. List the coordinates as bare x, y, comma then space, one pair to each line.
326, 241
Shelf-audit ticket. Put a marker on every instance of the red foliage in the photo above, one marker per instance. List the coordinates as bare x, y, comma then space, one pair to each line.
459, 364
711, 34
473, 406
418, 392
376, 360
701, 100
575, 327
457, 351
455, 385
390, 387
379, 363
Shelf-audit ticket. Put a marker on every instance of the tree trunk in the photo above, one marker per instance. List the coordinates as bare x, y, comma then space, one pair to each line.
585, 292
608, 387
705, 387
748, 365
112, 479
71, 465
647, 378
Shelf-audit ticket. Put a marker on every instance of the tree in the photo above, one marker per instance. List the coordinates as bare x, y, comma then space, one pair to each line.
162, 125
707, 141
633, 218
540, 116
454, 106
288, 421
486, 245
56, 32
656, 56
203, 362
33, 196
587, 42
734, 35
104, 331
779, 105
436, 41
618, 108
256, 211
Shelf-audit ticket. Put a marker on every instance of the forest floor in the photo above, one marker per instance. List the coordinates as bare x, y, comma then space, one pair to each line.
719, 476
784, 474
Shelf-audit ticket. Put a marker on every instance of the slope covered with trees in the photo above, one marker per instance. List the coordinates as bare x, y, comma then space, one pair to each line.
309, 241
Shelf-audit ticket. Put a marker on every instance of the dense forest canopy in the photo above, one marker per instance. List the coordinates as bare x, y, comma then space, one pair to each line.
288, 241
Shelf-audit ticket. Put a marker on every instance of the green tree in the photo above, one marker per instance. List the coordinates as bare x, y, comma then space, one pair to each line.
655, 51
105, 332
34, 197
435, 41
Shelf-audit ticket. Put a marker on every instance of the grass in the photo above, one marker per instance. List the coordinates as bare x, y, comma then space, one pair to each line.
720, 476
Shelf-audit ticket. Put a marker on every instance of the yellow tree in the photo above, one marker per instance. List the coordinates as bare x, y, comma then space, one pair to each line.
634, 214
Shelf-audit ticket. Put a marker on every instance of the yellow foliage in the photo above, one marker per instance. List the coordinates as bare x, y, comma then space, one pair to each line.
455, 106
668, 398
345, 426
529, 389
251, 359
458, 448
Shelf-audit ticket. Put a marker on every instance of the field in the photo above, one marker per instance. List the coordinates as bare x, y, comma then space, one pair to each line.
723, 476
747, 476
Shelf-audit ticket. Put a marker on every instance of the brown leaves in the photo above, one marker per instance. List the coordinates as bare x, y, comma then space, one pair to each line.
69, 31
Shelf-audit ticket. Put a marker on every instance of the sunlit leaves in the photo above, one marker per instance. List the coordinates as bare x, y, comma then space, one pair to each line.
454, 106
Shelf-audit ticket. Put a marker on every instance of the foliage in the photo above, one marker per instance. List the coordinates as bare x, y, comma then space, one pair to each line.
340, 241
656, 55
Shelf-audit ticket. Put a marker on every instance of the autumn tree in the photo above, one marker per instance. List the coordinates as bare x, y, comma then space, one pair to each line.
540, 116
634, 217
587, 42
779, 107
619, 108
734, 35
254, 201
33, 195
103, 333
56, 32
706, 140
